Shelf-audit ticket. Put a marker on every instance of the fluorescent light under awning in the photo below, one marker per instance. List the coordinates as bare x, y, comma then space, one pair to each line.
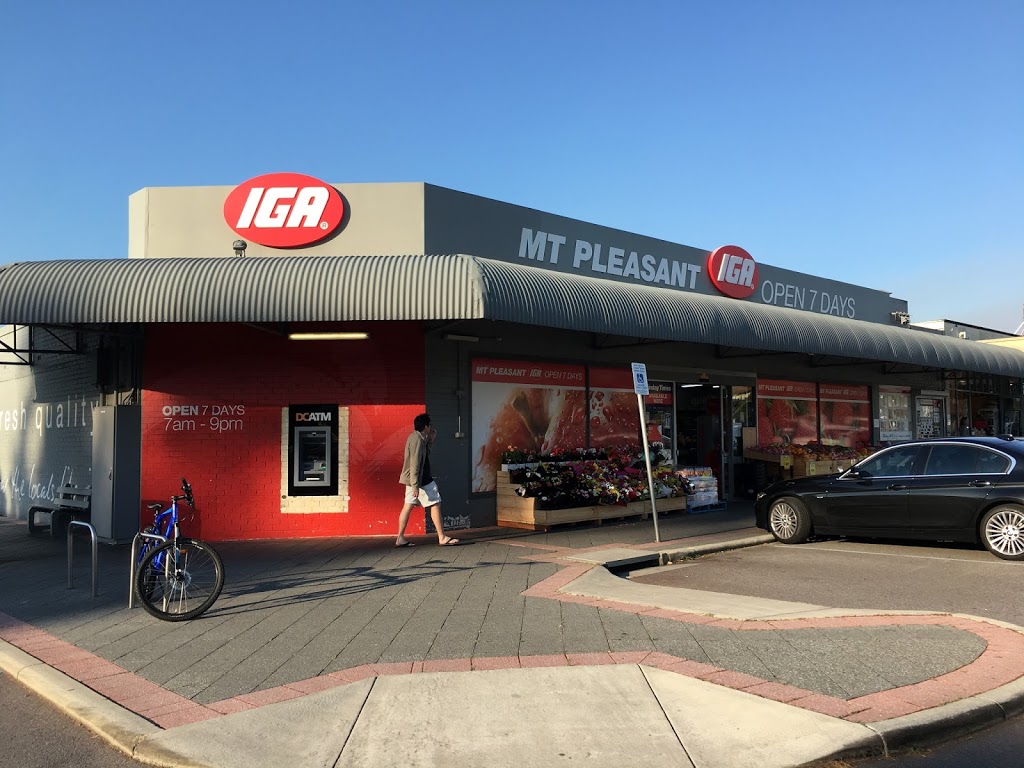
329, 336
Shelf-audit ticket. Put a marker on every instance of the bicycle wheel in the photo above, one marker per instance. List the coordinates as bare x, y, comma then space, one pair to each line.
180, 579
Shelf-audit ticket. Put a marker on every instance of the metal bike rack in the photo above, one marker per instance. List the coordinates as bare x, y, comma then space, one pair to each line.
136, 543
95, 553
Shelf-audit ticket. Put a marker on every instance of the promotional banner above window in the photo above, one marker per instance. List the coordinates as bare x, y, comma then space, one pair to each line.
535, 407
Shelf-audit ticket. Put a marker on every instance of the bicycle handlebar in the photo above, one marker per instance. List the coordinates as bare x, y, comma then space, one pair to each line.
188, 493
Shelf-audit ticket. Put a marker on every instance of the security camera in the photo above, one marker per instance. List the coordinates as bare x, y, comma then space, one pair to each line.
239, 246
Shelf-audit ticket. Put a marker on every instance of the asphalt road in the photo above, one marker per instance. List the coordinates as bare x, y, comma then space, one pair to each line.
37, 735
845, 573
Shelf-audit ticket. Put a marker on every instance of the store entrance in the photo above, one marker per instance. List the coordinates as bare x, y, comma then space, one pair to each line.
705, 439
698, 416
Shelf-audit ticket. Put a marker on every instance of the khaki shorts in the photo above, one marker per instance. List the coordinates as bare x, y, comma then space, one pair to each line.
428, 496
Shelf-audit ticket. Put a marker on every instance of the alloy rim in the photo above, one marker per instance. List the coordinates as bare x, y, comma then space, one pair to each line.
1005, 532
783, 520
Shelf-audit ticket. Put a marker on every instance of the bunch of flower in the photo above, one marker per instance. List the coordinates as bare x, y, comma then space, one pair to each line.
669, 483
513, 455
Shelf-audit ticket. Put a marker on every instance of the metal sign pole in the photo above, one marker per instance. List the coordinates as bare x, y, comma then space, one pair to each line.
647, 461
640, 386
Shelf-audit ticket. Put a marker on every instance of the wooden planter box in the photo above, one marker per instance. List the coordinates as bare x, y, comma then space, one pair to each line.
515, 511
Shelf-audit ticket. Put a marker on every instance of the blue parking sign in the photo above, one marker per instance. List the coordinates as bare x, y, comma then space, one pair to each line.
640, 378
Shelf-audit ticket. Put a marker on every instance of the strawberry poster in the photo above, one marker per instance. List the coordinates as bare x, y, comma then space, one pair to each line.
845, 415
614, 415
539, 408
787, 412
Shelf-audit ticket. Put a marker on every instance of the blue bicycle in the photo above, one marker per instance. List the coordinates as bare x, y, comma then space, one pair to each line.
176, 578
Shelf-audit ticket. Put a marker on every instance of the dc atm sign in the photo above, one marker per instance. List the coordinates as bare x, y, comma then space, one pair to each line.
640, 379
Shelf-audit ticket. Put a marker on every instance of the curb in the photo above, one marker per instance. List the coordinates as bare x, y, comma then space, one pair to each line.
958, 718
684, 553
119, 727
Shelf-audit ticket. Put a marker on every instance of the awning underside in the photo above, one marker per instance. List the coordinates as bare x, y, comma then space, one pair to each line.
293, 289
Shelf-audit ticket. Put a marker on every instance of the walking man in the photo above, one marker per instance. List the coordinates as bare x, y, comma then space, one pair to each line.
420, 488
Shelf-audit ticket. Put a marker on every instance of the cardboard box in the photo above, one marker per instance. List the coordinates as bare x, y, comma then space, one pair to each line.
804, 467
749, 436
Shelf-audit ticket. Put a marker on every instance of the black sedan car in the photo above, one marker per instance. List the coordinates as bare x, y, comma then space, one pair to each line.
967, 489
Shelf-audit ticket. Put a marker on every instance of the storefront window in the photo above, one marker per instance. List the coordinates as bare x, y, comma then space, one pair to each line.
976, 405
845, 410
930, 416
787, 412
894, 414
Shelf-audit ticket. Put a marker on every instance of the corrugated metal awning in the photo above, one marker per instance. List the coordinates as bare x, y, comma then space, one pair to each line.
453, 287
246, 290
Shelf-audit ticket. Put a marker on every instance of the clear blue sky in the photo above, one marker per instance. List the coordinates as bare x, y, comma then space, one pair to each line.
878, 142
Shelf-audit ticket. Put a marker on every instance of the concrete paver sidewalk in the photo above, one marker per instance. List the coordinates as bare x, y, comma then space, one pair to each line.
384, 656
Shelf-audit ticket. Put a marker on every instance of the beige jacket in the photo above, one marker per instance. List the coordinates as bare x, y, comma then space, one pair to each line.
416, 450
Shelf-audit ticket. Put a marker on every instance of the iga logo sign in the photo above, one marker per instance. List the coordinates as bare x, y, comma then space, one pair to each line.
733, 271
284, 210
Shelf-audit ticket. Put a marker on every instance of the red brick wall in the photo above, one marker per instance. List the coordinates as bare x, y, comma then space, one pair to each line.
234, 464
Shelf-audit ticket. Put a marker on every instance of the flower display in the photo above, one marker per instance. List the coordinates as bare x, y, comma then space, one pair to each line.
619, 478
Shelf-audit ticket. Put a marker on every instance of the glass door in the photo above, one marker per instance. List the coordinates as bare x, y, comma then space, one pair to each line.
737, 476
710, 419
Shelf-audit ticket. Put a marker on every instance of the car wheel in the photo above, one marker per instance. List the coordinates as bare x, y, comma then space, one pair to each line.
789, 520
1002, 531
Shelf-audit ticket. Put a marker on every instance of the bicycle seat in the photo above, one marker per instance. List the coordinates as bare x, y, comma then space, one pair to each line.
155, 507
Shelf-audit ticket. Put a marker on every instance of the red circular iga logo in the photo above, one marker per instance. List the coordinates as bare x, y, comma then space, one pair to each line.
733, 271
284, 210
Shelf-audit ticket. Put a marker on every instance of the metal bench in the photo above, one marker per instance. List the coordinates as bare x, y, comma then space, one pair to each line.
70, 502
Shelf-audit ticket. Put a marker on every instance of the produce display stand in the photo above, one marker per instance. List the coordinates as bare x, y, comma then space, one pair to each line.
786, 466
800, 466
515, 511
